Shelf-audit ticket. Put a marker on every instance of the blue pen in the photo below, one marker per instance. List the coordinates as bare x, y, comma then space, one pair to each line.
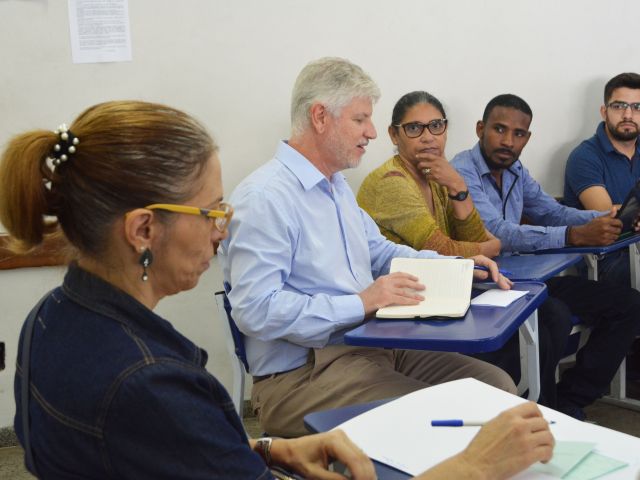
455, 422
506, 273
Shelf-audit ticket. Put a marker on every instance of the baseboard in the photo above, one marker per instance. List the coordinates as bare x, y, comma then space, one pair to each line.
247, 410
8, 437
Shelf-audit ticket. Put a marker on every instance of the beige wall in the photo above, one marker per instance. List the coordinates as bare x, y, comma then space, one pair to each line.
232, 64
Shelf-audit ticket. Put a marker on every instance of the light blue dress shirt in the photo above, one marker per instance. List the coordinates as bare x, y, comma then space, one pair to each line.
299, 251
502, 209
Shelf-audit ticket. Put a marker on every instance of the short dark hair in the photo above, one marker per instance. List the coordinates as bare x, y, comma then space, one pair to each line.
414, 98
506, 100
628, 80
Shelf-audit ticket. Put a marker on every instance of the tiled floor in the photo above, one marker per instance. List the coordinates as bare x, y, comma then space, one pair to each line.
621, 419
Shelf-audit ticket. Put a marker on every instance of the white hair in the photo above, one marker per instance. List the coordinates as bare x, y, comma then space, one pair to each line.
332, 81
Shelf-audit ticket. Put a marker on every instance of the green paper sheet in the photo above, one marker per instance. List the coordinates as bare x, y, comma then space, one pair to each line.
594, 466
566, 455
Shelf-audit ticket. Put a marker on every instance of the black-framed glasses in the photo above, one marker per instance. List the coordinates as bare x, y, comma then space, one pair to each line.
220, 217
415, 129
622, 106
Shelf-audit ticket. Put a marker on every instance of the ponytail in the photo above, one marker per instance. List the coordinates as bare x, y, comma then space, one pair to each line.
24, 194
115, 157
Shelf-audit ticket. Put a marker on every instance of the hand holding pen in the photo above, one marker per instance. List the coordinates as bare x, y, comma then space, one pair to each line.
506, 445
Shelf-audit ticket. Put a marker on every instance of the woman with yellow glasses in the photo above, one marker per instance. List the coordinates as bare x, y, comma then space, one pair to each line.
114, 390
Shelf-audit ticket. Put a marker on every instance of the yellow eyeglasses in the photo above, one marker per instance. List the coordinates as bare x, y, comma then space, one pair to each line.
221, 217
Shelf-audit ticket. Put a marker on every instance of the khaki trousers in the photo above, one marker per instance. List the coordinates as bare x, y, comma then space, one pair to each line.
340, 375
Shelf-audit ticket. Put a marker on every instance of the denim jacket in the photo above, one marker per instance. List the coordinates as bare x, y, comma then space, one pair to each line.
117, 392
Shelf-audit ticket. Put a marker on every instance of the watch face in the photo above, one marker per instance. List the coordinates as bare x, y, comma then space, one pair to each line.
460, 195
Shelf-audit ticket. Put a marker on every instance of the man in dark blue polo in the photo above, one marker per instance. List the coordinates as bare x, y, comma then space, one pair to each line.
602, 169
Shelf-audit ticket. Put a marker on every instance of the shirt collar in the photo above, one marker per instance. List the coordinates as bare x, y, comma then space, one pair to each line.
603, 138
101, 297
305, 171
605, 141
478, 160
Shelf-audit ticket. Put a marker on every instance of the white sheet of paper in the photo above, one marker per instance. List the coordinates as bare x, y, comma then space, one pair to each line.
399, 433
99, 31
498, 298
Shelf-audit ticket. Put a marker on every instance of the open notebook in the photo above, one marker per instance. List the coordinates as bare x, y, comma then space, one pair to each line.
448, 287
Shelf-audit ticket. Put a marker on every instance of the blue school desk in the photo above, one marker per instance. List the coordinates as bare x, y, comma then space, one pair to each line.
536, 268
483, 329
591, 255
326, 420
618, 395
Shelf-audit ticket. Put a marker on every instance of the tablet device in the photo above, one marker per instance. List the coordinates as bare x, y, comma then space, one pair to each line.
630, 209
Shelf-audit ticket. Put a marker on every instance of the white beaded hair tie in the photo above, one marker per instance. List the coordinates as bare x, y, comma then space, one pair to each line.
65, 147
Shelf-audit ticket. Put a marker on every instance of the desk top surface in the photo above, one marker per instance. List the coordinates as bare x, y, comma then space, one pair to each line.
403, 420
537, 268
324, 421
601, 250
483, 329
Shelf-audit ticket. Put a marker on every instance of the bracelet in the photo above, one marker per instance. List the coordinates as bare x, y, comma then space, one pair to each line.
566, 236
263, 448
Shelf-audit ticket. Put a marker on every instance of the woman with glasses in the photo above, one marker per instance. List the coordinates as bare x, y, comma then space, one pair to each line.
115, 391
417, 198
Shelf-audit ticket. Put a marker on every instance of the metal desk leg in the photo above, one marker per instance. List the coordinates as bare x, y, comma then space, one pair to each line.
591, 260
618, 395
529, 331
634, 265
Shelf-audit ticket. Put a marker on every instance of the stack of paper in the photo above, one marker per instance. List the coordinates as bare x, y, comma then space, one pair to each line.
399, 433
498, 298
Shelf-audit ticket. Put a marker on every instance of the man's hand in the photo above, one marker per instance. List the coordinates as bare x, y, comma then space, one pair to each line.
480, 260
312, 454
602, 230
394, 289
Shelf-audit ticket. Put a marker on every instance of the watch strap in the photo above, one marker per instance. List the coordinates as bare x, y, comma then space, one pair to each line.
263, 448
460, 196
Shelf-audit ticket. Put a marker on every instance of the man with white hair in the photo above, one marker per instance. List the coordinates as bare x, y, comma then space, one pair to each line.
305, 264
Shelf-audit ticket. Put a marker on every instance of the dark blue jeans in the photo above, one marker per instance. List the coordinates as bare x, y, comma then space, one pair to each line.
613, 313
612, 268
554, 326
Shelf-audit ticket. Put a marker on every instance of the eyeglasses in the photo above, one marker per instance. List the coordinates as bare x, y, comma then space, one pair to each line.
622, 106
220, 217
415, 129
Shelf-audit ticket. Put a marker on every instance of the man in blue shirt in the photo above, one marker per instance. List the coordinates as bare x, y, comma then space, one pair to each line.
603, 169
305, 264
503, 191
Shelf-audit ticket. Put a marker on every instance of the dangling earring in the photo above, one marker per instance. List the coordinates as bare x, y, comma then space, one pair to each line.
146, 259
